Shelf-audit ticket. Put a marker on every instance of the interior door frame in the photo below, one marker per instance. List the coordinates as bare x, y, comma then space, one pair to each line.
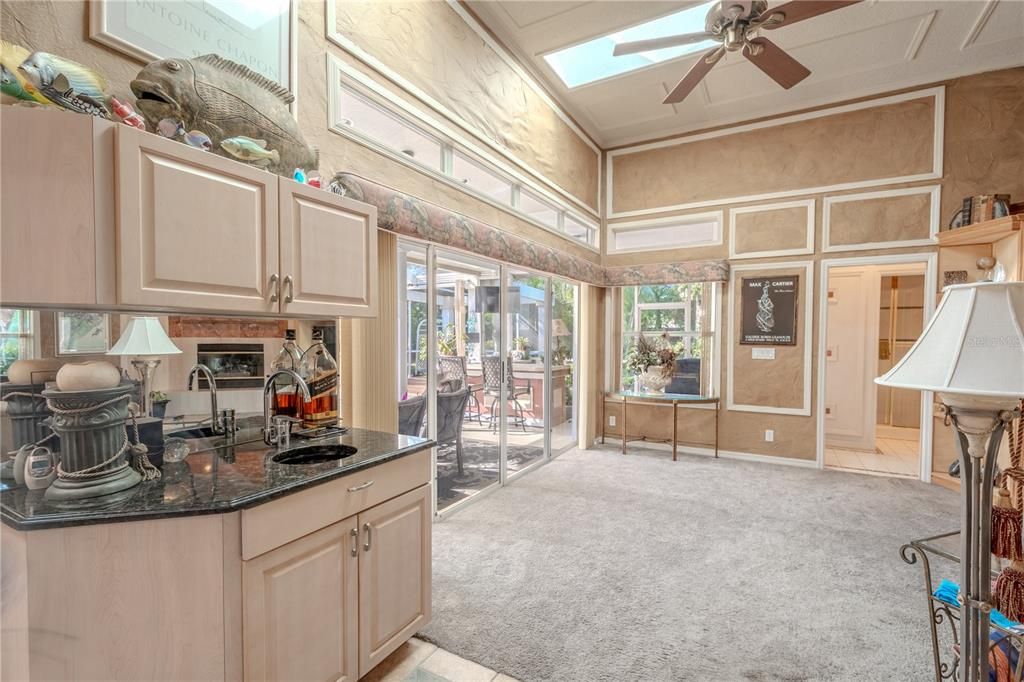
931, 261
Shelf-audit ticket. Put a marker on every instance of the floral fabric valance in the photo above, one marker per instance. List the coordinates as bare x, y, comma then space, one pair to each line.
414, 217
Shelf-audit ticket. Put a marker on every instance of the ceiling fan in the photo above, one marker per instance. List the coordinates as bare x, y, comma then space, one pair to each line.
736, 24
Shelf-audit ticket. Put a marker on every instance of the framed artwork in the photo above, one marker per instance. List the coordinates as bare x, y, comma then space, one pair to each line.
768, 307
260, 35
82, 333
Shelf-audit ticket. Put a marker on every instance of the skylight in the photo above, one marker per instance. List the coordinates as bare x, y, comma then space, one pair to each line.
593, 61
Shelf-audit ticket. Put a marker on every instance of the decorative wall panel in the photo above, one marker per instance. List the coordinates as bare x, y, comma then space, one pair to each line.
461, 74
785, 229
847, 147
888, 218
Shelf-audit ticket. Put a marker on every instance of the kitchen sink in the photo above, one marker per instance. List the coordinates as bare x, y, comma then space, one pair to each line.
314, 454
193, 432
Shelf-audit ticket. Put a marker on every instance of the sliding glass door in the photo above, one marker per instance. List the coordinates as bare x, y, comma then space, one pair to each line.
477, 373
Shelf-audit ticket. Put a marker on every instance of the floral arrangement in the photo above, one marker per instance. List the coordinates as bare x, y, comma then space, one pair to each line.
646, 353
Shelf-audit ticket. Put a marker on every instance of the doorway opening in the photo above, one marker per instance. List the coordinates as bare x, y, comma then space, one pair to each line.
873, 311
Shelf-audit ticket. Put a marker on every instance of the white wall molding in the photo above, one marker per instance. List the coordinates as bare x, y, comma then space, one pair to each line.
938, 93
342, 41
810, 205
806, 310
931, 261
934, 191
718, 217
339, 72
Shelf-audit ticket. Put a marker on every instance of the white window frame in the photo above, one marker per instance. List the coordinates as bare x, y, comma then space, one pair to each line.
716, 217
31, 336
344, 80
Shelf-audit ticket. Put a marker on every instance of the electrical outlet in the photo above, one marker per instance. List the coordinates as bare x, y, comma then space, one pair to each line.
769, 435
611, 420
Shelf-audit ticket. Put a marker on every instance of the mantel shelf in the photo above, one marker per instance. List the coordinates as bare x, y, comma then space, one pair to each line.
987, 232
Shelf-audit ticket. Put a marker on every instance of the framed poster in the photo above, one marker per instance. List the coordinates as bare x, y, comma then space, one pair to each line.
260, 35
82, 333
768, 309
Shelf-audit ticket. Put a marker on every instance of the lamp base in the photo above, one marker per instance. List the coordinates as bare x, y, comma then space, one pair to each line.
146, 367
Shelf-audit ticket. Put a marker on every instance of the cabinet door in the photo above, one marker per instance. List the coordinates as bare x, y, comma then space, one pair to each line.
196, 231
328, 253
301, 610
394, 574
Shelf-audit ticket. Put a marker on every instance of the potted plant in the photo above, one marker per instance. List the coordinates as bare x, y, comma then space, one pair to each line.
520, 348
158, 400
652, 362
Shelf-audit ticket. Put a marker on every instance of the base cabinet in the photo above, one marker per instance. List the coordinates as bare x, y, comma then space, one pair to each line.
333, 604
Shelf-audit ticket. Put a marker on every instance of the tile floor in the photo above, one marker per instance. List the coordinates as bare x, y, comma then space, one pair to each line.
896, 454
419, 661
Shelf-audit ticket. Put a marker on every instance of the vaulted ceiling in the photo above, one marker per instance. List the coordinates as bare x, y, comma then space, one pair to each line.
865, 49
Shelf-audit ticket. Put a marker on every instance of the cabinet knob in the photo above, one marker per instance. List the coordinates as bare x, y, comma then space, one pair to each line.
369, 536
290, 283
275, 288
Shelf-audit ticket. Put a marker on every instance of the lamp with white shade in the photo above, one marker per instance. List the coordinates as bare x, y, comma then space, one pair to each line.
972, 355
145, 338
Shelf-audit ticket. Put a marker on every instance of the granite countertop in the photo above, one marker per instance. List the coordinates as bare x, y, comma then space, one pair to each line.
216, 481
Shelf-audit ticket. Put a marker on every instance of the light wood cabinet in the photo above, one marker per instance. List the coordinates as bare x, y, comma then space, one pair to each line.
301, 608
328, 253
195, 230
56, 215
394, 575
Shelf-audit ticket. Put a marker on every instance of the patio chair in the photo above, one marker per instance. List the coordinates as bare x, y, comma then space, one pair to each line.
451, 411
492, 389
410, 415
452, 376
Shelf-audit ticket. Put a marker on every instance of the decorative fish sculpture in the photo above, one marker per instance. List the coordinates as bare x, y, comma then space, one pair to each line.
226, 100
254, 151
126, 114
199, 140
170, 128
62, 94
14, 83
42, 68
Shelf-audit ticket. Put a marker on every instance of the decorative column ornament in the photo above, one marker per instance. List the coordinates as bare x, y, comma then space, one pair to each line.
972, 355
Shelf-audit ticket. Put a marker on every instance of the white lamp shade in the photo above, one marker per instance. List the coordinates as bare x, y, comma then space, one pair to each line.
973, 345
144, 336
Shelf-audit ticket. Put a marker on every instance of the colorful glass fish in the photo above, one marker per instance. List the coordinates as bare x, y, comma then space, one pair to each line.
126, 114
198, 139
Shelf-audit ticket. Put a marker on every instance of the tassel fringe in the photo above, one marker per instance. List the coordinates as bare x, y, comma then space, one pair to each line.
1006, 533
1009, 593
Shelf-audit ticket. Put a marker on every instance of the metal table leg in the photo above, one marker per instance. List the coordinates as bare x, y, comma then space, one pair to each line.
718, 407
623, 424
675, 428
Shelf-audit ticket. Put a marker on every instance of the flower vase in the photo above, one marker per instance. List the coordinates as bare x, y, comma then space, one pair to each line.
655, 379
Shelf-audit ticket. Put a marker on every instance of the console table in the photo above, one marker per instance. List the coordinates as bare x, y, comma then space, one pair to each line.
673, 400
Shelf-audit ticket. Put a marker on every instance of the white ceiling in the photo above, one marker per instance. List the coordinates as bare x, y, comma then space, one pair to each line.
873, 47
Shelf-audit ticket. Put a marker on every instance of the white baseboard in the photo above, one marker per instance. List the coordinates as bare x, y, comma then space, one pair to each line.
724, 454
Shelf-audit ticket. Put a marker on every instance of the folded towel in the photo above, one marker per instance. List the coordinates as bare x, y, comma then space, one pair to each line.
948, 592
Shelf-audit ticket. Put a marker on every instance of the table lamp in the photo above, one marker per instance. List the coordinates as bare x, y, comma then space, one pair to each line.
972, 355
145, 337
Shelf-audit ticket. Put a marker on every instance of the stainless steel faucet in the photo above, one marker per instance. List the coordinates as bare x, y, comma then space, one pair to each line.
278, 431
215, 421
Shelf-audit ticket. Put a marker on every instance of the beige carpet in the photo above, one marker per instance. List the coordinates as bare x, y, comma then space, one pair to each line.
604, 567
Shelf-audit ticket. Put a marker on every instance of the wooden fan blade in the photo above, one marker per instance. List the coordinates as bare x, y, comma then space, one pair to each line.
659, 43
798, 10
774, 61
694, 75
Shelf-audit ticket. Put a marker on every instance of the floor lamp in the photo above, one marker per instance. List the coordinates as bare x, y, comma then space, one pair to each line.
145, 337
972, 355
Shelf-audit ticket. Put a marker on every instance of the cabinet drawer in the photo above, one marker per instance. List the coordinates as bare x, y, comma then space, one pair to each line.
275, 523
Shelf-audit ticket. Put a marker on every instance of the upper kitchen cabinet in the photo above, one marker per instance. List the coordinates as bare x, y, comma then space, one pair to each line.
58, 221
195, 230
328, 253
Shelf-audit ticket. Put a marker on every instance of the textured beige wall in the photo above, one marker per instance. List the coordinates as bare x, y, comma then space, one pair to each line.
775, 229
432, 47
883, 219
879, 142
61, 26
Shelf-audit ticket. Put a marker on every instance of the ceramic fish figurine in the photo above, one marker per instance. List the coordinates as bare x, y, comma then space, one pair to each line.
199, 140
226, 100
126, 114
42, 68
62, 94
14, 83
170, 128
247, 149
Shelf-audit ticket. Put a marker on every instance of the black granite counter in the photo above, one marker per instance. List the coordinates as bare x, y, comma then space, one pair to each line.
221, 480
